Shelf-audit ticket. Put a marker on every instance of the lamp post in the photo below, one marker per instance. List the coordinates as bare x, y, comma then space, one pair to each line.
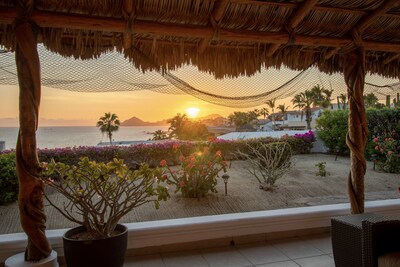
374, 157
337, 152
225, 177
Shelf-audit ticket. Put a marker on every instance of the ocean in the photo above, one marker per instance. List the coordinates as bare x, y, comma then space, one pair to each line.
53, 137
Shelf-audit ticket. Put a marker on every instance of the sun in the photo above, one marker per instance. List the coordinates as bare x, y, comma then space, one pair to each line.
192, 112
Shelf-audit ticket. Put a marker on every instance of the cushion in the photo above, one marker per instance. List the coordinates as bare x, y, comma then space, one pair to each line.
389, 260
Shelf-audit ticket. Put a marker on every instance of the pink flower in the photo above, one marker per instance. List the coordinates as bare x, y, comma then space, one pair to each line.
376, 147
390, 153
163, 163
218, 153
375, 140
382, 150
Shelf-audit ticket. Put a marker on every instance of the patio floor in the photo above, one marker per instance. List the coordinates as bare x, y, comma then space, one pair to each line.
305, 251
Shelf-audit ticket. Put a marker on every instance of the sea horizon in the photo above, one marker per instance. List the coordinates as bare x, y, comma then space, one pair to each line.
70, 136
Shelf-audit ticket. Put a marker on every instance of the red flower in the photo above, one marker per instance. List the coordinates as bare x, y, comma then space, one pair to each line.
175, 146
164, 177
182, 184
218, 153
163, 163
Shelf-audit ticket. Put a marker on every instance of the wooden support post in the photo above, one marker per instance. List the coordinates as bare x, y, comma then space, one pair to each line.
354, 74
30, 198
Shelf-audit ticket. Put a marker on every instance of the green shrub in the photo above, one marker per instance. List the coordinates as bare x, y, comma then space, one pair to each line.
8, 179
332, 129
321, 169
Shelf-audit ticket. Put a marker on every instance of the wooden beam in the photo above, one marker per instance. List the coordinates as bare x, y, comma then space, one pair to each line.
79, 22
293, 22
391, 58
316, 7
371, 17
300, 13
330, 53
128, 10
217, 14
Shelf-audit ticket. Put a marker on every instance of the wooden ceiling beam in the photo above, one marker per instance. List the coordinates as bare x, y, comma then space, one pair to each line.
316, 7
128, 10
293, 22
216, 16
391, 58
79, 22
371, 17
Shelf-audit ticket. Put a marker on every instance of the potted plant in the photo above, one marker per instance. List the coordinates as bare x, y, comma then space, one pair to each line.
97, 195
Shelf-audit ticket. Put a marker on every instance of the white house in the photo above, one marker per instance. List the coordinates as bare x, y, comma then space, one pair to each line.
293, 120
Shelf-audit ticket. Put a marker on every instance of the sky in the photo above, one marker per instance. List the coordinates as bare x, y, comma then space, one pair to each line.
64, 108
67, 108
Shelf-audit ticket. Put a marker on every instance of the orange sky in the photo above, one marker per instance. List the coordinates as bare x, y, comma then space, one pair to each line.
66, 108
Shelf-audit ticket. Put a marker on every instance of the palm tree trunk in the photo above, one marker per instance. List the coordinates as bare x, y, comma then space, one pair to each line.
110, 137
308, 118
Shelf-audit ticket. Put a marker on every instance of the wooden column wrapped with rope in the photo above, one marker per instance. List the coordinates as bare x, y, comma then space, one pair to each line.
30, 197
354, 75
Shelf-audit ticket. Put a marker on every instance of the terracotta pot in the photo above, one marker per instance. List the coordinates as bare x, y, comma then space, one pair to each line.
107, 252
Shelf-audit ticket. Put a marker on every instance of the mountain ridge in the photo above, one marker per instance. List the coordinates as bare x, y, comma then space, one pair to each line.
135, 121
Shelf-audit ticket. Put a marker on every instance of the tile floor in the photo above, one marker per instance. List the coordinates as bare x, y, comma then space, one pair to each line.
307, 251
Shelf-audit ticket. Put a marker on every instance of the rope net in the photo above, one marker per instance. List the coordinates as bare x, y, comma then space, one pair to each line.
111, 72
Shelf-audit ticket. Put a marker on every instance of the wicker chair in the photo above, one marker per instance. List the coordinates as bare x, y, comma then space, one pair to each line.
358, 240
381, 240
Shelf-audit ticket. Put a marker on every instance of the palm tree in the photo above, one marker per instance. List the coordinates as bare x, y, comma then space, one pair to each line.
159, 135
298, 103
305, 100
176, 125
264, 112
370, 100
283, 109
108, 124
321, 96
271, 104
317, 96
343, 98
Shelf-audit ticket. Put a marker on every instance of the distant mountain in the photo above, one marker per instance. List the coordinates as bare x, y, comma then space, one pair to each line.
134, 121
212, 119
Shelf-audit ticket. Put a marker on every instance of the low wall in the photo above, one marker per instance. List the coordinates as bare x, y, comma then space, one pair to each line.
259, 225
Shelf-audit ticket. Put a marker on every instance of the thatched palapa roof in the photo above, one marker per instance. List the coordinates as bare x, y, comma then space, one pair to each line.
227, 38
223, 37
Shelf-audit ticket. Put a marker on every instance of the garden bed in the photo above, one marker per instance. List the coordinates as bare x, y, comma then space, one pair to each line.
300, 187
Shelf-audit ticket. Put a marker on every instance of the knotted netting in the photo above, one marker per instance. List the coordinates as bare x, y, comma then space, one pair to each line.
111, 72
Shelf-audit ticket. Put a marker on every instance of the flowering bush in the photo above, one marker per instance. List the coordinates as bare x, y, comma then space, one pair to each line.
388, 154
197, 174
308, 137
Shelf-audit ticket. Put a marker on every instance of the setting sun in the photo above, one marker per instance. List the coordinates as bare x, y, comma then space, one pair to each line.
192, 112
